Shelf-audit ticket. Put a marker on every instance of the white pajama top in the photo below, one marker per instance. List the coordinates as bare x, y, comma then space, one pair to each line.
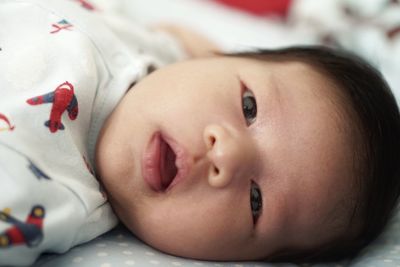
64, 65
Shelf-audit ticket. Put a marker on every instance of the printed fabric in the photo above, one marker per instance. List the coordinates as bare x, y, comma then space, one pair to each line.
62, 70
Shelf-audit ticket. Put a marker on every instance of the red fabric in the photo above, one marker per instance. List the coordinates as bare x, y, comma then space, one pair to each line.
15, 235
261, 7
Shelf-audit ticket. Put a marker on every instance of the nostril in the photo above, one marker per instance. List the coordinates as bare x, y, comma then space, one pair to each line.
218, 178
215, 170
211, 134
211, 141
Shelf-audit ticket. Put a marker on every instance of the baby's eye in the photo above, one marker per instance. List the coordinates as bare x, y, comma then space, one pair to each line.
255, 201
249, 106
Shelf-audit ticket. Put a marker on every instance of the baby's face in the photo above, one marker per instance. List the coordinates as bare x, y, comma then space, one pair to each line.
228, 158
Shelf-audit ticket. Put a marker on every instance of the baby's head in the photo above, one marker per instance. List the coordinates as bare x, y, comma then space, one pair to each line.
260, 155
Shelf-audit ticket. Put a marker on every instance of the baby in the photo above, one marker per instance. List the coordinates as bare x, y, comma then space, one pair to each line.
259, 155
271, 154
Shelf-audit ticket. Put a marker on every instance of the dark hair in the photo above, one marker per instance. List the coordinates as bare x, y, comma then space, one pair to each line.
377, 120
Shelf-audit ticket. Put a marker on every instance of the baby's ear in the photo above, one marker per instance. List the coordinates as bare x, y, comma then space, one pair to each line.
194, 43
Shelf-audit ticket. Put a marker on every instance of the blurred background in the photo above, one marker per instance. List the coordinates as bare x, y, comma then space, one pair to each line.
370, 28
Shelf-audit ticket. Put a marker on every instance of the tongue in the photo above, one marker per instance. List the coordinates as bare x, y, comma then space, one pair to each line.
168, 168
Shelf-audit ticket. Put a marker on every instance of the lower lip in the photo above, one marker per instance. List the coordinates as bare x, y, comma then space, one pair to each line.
151, 162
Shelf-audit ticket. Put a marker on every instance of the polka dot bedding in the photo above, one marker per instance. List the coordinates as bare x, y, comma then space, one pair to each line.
120, 248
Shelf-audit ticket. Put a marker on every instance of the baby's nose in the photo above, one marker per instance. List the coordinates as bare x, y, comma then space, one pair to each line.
230, 154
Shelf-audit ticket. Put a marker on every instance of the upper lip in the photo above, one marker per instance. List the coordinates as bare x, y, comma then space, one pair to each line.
156, 162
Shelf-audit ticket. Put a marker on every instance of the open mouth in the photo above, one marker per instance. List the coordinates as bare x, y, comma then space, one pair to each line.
160, 164
168, 169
